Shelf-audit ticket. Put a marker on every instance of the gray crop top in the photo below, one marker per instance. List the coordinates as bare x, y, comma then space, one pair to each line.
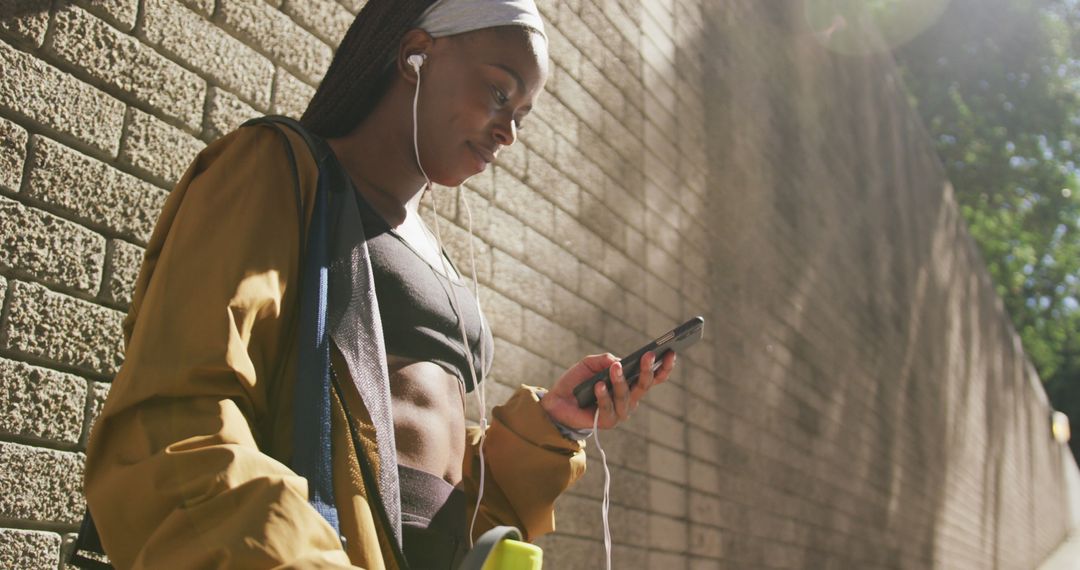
418, 319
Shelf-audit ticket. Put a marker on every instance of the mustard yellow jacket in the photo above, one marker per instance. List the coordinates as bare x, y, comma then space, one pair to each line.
187, 465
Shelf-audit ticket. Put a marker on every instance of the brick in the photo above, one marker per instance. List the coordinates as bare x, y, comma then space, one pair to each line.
157, 148
41, 484
503, 315
605, 294
61, 329
513, 365
666, 533
92, 192
327, 19
667, 498
225, 112
666, 560
667, 464
207, 50
120, 13
12, 155
578, 314
50, 248
39, 402
574, 236
548, 258
457, 240
522, 283
706, 541
523, 202
563, 52
98, 392
496, 227
45, 95
667, 430
353, 6
25, 22
277, 36
124, 270
618, 267
291, 96
123, 63
704, 477
29, 549
204, 7
552, 184
549, 340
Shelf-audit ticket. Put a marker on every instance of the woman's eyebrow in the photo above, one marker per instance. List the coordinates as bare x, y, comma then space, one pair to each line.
517, 78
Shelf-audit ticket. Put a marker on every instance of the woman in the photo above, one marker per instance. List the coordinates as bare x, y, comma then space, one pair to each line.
194, 459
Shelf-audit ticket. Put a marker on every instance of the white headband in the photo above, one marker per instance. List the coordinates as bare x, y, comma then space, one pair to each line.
449, 17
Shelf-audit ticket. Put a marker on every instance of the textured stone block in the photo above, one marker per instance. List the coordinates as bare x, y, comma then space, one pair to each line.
50, 248
522, 283
277, 36
548, 258
24, 21
12, 155
93, 192
33, 89
124, 270
59, 328
158, 148
204, 7
523, 202
327, 19
119, 13
39, 402
29, 549
41, 484
226, 112
353, 6
127, 65
199, 44
291, 96
550, 340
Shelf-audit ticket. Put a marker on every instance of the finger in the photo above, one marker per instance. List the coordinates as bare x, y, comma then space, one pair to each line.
594, 363
603, 402
622, 391
664, 372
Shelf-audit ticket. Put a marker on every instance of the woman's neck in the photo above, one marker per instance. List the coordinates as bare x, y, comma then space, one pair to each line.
382, 165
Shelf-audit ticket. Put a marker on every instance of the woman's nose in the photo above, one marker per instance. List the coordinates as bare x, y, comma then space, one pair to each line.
506, 132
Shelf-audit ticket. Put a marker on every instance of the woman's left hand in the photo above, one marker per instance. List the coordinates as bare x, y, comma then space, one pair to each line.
562, 406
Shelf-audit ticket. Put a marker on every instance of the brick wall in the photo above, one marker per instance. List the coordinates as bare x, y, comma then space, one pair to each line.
860, 401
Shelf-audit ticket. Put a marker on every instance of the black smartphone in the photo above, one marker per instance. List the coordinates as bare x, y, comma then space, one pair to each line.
677, 339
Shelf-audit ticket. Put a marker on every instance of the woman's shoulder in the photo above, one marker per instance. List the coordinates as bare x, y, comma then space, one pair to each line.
262, 145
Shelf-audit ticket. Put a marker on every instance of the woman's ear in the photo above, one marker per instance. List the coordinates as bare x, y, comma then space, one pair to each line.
414, 42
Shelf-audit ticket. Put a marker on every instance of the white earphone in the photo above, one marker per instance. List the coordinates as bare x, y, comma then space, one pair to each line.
416, 60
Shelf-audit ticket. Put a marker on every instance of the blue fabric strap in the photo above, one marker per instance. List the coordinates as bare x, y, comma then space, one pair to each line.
311, 422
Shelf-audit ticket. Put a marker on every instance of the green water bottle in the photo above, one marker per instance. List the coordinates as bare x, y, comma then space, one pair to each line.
501, 548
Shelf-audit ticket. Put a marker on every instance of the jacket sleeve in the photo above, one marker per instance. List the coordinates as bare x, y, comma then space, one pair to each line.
529, 464
175, 477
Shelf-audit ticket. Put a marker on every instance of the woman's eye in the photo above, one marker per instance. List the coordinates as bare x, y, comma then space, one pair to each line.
500, 97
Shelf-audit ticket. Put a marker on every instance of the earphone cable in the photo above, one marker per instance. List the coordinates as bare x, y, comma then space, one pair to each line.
482, 404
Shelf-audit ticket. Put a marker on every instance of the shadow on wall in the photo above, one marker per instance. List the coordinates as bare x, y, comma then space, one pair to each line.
889, 415
21, 8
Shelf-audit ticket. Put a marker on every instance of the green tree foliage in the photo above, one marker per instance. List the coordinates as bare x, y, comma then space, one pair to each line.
997, 83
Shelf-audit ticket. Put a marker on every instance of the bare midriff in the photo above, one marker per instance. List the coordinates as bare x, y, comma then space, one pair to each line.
429, 417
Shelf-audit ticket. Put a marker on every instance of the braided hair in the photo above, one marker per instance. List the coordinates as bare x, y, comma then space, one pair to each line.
358, 75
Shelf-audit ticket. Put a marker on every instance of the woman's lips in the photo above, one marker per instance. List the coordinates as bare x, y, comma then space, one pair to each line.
484, 155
